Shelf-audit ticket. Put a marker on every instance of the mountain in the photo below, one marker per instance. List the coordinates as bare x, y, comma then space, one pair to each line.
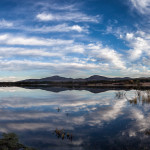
53, 78
56, 78
63, 79
97, 77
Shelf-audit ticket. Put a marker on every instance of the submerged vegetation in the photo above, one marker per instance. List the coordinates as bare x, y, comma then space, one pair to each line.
120, 94
147, 132
63, 135
140, 96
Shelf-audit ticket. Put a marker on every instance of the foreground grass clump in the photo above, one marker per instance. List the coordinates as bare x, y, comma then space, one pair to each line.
10, 141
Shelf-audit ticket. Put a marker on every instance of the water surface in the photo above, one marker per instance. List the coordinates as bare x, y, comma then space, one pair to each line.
93, 121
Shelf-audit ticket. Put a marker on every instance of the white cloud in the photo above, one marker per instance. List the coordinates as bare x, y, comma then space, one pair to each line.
8, 79
70, 68
45, 17
110, 55
129, 36
56, 6
28, 64
70, 16
16, 51
95, 57
76, 28
74, 48
57, 28
44, 29
52, 51
5, 24
136, 70
9, 39
143, 6
139, 44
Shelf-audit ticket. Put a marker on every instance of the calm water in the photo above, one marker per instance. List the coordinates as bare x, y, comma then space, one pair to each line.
98, 121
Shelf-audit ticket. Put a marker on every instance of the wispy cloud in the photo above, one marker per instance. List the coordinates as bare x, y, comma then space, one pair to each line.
57, 28
9, 79
9, 39
105, 53
18, 51
61, 52
14, 65
142, 6
5, 24
139, 44
45, 17
44, 29
68, 16
55, 6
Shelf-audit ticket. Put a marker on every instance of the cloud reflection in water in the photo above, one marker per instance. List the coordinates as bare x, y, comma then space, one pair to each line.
94, 119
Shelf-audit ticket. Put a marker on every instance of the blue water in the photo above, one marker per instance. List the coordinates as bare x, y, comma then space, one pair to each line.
95, 121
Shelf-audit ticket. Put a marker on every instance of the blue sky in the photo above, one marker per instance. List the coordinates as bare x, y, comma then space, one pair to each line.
71, 38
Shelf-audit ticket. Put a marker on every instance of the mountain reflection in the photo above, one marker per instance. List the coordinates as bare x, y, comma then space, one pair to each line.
79, 120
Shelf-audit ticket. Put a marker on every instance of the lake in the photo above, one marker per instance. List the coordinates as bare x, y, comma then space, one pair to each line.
75, 119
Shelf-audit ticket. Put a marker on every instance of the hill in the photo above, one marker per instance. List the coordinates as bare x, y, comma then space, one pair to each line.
64, 79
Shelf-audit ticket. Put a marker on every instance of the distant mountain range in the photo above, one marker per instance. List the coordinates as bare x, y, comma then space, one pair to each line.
63, 79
